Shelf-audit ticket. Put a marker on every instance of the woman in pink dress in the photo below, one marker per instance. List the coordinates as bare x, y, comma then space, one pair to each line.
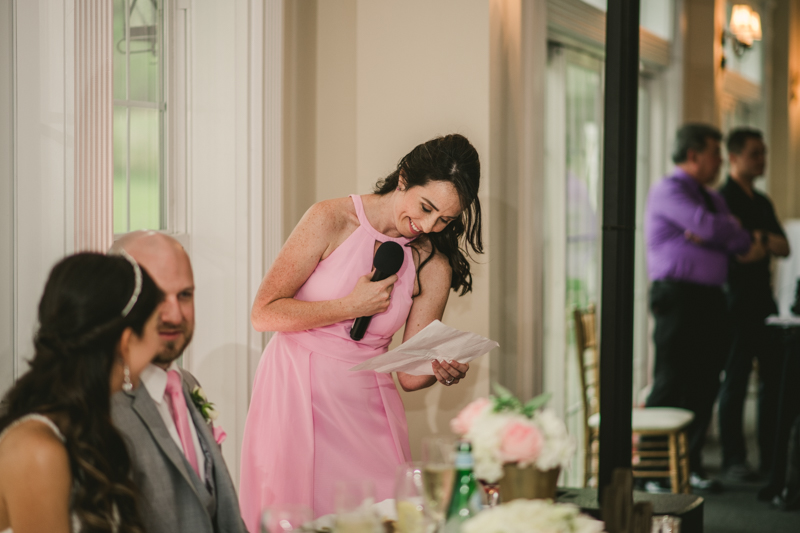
313, 422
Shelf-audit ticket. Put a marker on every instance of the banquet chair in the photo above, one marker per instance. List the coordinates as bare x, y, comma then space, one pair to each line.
649, 458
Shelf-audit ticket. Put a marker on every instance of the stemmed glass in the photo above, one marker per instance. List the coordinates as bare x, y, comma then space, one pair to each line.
666, 524
354, 507
437, 477
409, 493
283, 518
492, 492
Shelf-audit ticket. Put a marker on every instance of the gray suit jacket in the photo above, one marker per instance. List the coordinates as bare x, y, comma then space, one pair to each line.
172, 497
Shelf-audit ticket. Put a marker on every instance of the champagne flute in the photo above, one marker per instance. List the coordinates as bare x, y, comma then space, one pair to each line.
409, 493
354, 507
437, 477
283, 518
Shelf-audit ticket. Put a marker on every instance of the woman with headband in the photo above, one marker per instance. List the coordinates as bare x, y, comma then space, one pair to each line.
63, 466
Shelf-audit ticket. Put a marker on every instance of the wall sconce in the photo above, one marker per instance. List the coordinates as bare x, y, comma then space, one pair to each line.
745, 27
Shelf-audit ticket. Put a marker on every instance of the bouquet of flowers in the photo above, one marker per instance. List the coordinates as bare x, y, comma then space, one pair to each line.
504, 430
532, 516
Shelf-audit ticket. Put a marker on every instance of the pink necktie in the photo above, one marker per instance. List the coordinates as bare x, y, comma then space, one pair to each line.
181, 417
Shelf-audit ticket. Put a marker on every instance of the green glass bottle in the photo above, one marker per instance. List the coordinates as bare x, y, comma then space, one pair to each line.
465, 501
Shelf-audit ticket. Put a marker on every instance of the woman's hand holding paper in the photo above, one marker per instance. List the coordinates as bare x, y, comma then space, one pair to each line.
449, 372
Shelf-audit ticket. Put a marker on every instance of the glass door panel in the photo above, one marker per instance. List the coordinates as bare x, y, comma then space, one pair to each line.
573, 222
582, 188
641, 328
572, 243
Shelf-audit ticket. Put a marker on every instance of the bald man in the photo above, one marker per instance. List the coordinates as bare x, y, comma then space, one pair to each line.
177, 462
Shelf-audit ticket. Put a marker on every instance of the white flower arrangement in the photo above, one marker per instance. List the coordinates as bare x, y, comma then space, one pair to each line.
532, 516
503, 430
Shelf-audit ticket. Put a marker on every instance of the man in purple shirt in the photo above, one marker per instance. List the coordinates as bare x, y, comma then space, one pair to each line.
691, 235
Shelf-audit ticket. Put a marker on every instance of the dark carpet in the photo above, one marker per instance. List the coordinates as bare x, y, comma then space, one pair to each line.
736, 509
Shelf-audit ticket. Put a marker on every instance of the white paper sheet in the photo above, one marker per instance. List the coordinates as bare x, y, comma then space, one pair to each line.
435, 342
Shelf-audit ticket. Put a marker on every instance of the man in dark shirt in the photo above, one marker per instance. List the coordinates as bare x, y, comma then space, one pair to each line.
750, 301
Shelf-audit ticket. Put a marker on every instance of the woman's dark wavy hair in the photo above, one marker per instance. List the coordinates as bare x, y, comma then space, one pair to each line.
450, 158
80, 325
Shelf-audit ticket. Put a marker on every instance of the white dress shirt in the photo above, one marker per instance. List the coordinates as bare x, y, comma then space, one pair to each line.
155, 381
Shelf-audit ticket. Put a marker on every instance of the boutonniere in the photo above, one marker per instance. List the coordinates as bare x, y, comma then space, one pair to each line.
206, 409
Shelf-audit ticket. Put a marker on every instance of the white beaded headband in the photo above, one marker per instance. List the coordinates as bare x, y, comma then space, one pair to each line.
137, 288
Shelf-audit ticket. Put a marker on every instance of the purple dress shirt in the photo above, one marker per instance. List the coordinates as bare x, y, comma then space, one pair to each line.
675, 205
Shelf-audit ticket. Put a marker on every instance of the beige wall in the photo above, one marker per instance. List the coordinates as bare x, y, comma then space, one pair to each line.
792, 206
784, 110
518, 47
320, 104
366, 82
506, 125
6, 201
336, 99
299, 112
701, 100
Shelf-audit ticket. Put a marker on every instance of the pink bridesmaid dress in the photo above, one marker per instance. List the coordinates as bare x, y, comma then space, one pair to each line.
313, 422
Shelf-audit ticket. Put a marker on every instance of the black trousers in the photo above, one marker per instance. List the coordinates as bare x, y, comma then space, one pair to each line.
751, 339
691, 340
788, 413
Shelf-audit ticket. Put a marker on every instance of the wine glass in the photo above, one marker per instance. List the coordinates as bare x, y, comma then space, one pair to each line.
282, 518
409, 493
354, 507
492, 492
437, 477
438, 450
666, 524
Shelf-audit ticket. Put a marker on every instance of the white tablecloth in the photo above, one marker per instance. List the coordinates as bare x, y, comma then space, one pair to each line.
787, 270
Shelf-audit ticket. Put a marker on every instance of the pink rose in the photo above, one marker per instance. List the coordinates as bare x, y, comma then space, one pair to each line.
463, 422
219, 434
520, 443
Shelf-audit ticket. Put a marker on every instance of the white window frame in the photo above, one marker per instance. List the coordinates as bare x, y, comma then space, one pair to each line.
176, 67
174, 142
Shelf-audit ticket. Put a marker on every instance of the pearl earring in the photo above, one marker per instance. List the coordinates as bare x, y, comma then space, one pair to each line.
127, 386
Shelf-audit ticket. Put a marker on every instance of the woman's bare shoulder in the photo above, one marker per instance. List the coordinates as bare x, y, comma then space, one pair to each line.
424, 251
436, 272
337, 214
35, 477
328, 223
31, 448
439, 264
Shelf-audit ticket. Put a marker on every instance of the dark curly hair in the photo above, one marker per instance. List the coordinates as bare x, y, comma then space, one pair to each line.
80, 324
450, 158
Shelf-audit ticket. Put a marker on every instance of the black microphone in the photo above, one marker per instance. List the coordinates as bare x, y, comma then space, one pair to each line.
388, 260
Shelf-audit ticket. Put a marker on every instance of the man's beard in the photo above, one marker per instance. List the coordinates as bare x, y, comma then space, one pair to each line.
173, 349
